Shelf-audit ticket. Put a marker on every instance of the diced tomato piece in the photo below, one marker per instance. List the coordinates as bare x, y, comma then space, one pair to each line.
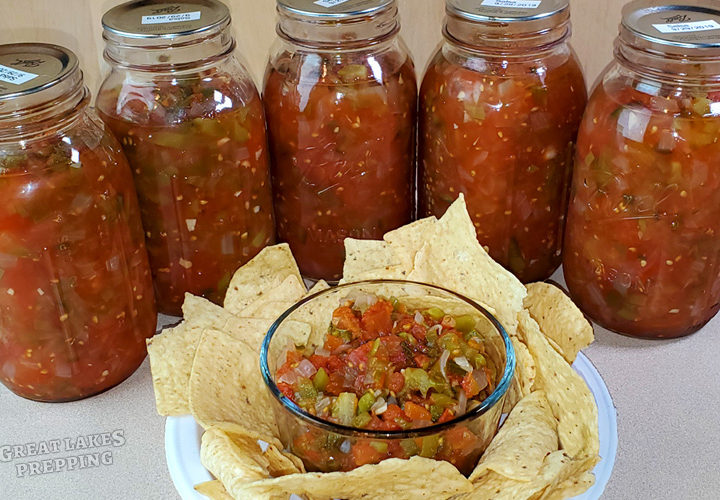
421, 360
470, 385
396, 382
416, 412
363, 453
344, 318
319, 361
286, 389
359, 356
336, 384
294, 357
394, 417
446, 416
377, 320
335, 363
396, 354
418, 331
332, 343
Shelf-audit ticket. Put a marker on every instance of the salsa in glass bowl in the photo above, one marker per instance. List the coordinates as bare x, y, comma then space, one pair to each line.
391, 369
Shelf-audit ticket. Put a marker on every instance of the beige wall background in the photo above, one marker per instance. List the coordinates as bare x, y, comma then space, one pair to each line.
76, 25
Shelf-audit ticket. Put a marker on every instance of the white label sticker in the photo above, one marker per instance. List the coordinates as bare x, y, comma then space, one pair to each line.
329, 3
688, 27
513, 4
172, 18
15, 76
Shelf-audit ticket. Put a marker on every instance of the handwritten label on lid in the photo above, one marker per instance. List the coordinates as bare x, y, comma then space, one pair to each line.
513, 4
329, 3
15, 76
172, 18
708, 25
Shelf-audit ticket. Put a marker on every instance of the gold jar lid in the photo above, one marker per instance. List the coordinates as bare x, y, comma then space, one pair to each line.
506, 11
678, 27
336, 9
163, 19
26, 68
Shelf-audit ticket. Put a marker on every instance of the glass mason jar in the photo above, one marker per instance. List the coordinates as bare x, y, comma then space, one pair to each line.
191, 122
500, 107
642, 248
340, 96
76, 302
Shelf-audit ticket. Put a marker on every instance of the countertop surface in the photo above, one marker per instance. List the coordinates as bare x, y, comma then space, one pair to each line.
667, 395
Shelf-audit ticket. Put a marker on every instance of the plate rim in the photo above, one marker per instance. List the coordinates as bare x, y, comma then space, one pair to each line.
177, 445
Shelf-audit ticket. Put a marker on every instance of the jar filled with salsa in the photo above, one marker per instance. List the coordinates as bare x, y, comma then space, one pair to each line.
192, 124
76, 301
500, 107
642, 248
340, 95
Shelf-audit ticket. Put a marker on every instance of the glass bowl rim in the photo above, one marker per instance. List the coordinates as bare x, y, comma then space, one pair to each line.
297, 411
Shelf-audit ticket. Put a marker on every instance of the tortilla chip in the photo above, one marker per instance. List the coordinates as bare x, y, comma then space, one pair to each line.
559, 319
276, 301
525, 370
453, 258
234, 461
214, 490
226, 386
570, 398
572, 477
318, 287
265, 272
280, 462
407, 241
528, 435
394, 478
171, 356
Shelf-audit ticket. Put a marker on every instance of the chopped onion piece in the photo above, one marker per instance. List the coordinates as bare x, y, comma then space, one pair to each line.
321, 351
289, 378
305, 369
481, 378
463, 363
462, 403
361, 300
419, 318
322, 404
443, 362
379, 406
392, 401
437, 329
346, 446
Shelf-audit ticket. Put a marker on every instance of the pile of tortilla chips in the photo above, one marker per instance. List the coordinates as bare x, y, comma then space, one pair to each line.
209, 366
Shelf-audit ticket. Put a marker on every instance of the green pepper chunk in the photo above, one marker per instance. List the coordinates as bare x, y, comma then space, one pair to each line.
430, 445
344, 408
306, 390
361, 420
417, 379
442, 400
366, 402
410, 447
465, 323
436, 313
321, 379
380, 446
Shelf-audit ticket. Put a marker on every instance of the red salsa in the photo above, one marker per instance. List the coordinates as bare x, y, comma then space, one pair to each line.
342, 137
503, 134
387, 367
76, 299
642, 241
197, 147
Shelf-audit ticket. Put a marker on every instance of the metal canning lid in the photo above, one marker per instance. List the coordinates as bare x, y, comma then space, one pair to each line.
681, 24
163, 19
26, 68
334, 9
506, 11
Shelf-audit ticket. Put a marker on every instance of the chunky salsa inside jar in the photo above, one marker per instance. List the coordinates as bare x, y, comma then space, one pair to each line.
642, 247
342, 135
388, 367
197, 147
503, 134
76, 300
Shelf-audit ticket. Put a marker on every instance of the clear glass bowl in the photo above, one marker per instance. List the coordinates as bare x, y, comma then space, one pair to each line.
326, 446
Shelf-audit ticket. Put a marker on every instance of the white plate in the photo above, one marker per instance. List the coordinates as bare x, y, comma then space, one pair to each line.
182, 442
